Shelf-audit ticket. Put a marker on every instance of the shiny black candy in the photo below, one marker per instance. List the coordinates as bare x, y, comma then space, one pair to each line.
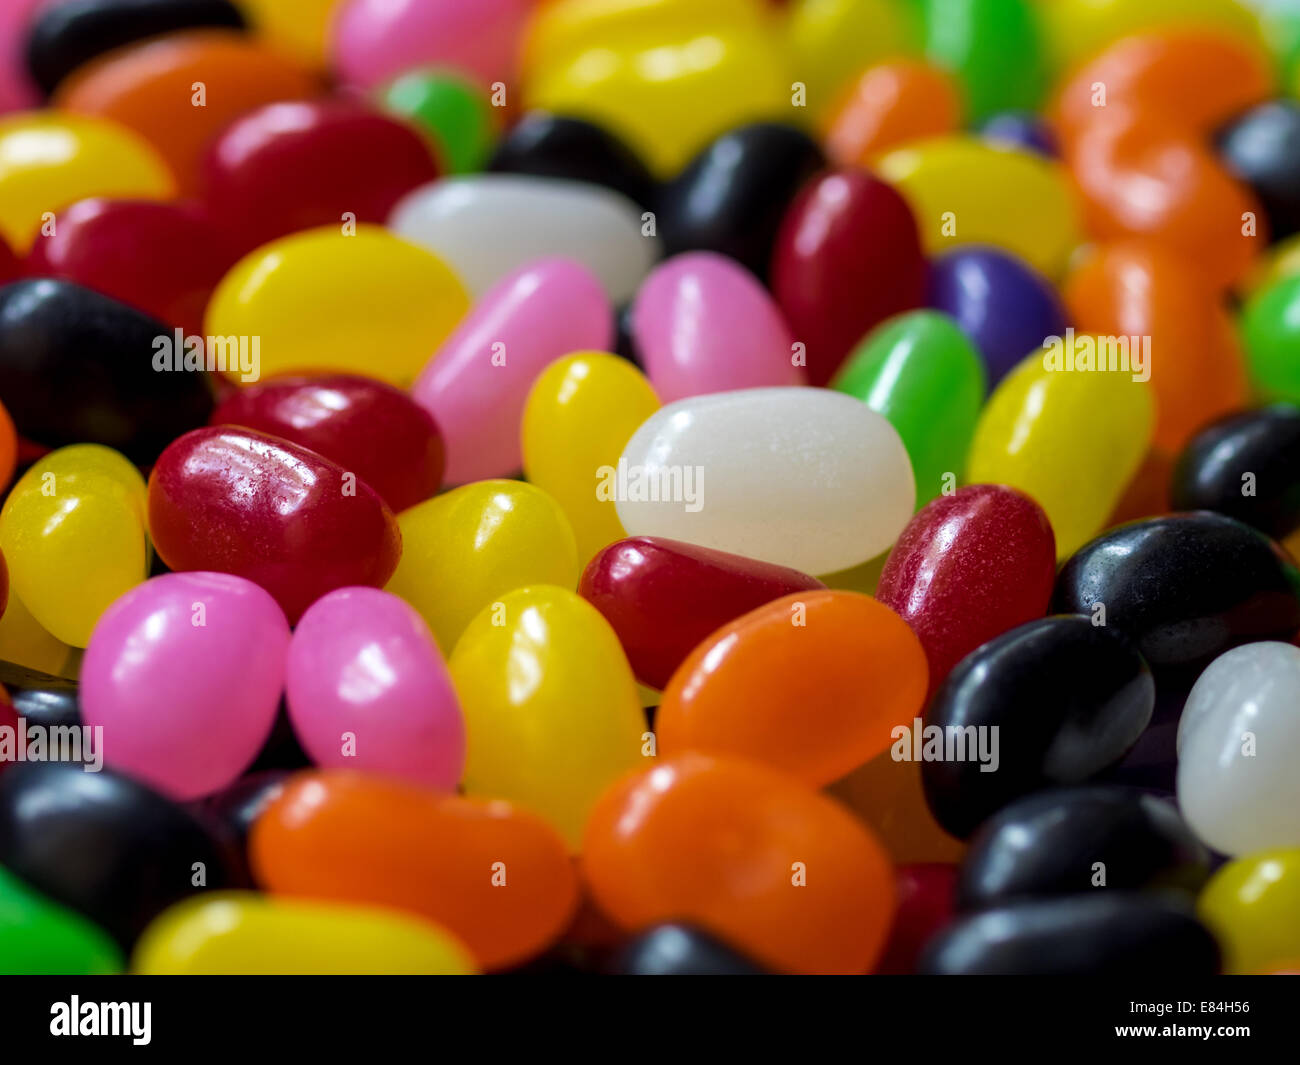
1262, 148
1107, 933
78, 367
732, 197
1050, 843
1068, 700
240, 804
679, 950
1246, 466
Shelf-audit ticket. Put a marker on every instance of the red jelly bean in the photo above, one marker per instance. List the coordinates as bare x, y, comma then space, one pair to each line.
968, 567
10, 267
925, 904
161, 258
663, 597
297, 165
237, 501
848, 255
371, 428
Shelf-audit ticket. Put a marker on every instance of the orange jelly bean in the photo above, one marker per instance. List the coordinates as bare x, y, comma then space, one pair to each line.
774, 869
178, 91
1139, 289
8, 448
889, 105
813, 683
493, 874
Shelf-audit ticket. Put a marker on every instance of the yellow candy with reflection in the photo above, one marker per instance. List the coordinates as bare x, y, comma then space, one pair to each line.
25, 643
298, 27
1252, 905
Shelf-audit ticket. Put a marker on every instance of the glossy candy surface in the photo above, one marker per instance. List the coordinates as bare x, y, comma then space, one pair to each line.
456, 115
1068, 700
242, 502
679, 950
1251, 906
838, 670
1270, 326
492, 874
890, 104
40, 937
925, 897
969, 567
993, 47
661, 845
1262, 147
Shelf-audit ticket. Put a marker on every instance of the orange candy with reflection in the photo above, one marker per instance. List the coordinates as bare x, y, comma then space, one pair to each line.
8, 448
495, 875
889, 105
779, 871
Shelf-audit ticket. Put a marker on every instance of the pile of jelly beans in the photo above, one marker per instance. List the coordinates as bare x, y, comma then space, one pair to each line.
582, 485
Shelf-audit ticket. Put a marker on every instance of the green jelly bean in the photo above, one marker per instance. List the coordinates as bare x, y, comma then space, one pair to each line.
921, 372
1270, 327
456, 113
993, 47
41, 938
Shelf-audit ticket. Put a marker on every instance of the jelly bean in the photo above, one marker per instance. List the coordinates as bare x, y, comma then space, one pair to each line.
732, 196
661, 846
17, 90
367, 688
680, 950
489, 226
663, 597
389, 441
164, 259
557, 146
1002, 303
1041, 433
555, 741
924, 906
970, 566
63, 37
921, 373
240, 933
106, 845
992, 46
847, 257
178, 91
1246, 466
51, 707
890, 104
1262, 147
239, 806
1185, 587
8, 451
11, 267
1071, 841
579, 416
455, 113
157, 679
958, 188
1135, 289
1250, 905
703, 324
368, 302
73, 533
493, 875
1020, 129
736, 693
1067, 699
25, 642
41, 938
1236, 783
1190, 205
372, 41
757, 447
50, 159
477, 382
1117, 934
237, 501
300, 28
467, 548
1270, 327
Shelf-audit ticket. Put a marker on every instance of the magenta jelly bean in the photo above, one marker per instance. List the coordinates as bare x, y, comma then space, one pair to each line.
184, 675
368, 689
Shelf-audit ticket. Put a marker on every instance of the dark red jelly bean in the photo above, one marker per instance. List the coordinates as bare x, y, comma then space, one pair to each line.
925, 905
11, 268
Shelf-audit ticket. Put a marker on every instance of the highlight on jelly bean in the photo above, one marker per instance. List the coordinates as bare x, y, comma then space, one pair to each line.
649, 487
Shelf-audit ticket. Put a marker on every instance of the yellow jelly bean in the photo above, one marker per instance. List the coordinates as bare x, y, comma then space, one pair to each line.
25, 643
966, 191
368, 303
73, 531
1282, 260
244, 934
580, 414
465, 549
298, 27
49, 159
1252, 906
552, 714
1071, 439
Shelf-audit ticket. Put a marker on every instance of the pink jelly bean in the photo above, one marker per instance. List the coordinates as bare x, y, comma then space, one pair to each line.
476, 384
184, 673
375, 40
703, 323
17, 90
368, 689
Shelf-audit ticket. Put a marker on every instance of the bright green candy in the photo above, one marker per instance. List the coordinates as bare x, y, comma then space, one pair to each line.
1271, 329
457, 114
926, 378
40, 938
994, 47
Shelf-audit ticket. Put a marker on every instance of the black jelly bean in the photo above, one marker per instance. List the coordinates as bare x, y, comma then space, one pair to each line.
679, 950
1262, 148
240, 804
